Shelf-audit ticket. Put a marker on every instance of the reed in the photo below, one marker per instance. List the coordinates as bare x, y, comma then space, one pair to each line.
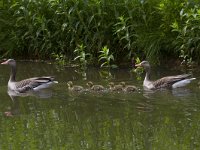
129, 28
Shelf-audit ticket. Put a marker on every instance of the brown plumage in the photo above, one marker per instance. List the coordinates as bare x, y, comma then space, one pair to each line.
95, 87
130, 88
32, 83
116, 88
74, 88
169, 81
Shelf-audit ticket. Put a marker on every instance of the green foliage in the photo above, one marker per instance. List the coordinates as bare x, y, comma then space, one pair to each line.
105, 73
59, 58
106, 57
125, 34
185, 58
81, 56
188, 41
152, 29
138, 70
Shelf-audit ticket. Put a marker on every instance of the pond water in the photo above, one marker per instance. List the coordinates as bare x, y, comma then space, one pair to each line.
57, 119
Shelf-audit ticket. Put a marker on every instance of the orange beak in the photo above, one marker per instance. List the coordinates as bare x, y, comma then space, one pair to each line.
138, 65
4, 63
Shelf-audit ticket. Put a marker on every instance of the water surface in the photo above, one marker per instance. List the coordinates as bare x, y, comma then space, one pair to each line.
58, 119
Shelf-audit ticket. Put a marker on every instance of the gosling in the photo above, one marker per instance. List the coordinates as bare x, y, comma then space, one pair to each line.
74, 88
95, 87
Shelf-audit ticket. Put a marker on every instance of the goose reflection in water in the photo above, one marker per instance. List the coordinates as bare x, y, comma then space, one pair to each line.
144, 107
178, 92
44, 93
14, 109
181, 92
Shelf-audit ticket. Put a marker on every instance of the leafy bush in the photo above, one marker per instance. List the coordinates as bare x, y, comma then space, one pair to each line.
152, 29
188, 39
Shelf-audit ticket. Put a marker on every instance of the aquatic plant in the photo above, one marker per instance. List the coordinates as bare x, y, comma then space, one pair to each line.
81, 56
60, 59
105, 73
137, 70
186, 59
106, 58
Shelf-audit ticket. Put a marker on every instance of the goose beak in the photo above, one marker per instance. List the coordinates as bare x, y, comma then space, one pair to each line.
4, 63
138, 65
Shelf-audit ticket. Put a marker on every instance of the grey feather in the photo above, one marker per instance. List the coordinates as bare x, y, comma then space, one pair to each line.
27, 84
170, 81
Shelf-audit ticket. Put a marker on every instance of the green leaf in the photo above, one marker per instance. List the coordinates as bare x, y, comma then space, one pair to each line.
102, 58
103, 64
77, 57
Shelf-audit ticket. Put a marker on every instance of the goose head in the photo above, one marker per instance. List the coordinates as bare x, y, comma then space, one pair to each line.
74, 88
145, 64
90, 84
123, 84
111, 84
70, 84
10, 62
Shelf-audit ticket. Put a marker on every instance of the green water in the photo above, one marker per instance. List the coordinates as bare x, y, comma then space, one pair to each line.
57, 119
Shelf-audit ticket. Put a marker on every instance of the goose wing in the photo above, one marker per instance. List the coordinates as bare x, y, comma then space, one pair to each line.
31, 83
169, 81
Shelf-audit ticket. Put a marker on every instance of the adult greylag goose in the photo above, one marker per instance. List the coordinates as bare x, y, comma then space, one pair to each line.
165, 82
95, 87
30, 84
74, 88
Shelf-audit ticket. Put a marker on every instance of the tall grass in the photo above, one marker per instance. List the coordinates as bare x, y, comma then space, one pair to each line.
128, 27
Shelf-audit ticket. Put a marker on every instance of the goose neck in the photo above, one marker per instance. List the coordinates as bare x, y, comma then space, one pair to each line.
147, 76
12, 73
